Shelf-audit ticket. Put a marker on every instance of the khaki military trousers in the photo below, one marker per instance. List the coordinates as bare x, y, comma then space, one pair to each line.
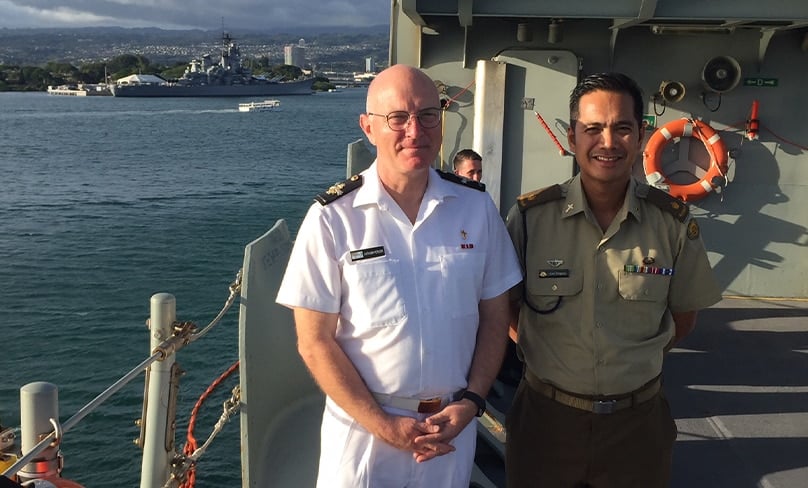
551, 445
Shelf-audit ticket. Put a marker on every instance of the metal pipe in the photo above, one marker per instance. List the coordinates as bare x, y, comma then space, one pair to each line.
157, 456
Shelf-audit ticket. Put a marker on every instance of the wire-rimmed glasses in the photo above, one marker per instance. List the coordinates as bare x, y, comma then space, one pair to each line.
429, 118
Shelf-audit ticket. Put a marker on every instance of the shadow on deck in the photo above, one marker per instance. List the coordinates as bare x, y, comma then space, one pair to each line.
738, 387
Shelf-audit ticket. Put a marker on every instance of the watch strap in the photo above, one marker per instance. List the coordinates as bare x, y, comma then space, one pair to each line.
477, 399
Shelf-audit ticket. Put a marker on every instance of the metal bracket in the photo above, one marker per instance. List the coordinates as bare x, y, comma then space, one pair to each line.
141, 422
171, 414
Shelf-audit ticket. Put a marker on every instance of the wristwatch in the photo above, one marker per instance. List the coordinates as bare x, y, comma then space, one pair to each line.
477, 399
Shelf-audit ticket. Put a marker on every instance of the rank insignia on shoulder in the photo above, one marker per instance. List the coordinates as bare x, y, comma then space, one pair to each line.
667, 203
544, 195
338, 190
460, 180
692, 229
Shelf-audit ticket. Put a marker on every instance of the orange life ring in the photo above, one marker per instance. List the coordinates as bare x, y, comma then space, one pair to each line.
715, 176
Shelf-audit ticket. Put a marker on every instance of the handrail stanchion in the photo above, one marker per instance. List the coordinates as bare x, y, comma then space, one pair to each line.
39, 403
158, 445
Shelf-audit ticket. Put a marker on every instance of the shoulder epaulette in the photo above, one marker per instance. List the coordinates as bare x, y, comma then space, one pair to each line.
666, 202
461, 181
338, 190
536, 197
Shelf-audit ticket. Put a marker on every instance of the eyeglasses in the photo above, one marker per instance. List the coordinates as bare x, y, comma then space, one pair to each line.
429, 118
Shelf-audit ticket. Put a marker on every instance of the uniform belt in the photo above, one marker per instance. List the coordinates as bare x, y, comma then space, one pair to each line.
595, 404
420, 405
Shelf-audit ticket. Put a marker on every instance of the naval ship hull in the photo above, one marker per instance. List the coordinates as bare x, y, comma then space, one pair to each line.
302, 87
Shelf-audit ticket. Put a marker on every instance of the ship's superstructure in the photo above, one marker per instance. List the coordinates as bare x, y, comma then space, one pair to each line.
227, 78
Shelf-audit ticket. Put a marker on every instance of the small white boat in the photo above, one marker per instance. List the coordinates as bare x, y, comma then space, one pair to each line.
80, 90
264, 106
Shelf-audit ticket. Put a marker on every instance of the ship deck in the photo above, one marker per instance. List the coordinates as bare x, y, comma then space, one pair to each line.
738, 388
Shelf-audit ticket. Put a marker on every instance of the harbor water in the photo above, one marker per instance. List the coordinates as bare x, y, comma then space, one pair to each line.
106, 201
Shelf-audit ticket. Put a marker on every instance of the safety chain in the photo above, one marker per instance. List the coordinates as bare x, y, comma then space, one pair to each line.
182, 464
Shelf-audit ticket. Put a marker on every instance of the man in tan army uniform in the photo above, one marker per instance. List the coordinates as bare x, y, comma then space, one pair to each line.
615, 272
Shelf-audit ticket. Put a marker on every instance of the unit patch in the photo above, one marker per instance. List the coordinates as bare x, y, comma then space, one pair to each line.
692, 229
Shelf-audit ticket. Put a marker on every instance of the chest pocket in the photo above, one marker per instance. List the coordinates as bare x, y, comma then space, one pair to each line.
463, 273
643, 287
543, 294
377, 301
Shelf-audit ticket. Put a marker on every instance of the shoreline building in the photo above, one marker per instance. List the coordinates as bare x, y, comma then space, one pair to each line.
295, 54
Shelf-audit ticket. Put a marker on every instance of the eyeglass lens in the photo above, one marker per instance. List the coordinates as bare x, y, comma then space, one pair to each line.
428, 118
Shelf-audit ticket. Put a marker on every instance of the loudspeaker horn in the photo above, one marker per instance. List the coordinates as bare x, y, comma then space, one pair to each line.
721, 74
672, 91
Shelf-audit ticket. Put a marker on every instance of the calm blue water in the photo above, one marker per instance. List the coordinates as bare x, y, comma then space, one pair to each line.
106, 201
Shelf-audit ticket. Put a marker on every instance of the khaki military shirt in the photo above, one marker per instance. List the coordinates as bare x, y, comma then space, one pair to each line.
607, 297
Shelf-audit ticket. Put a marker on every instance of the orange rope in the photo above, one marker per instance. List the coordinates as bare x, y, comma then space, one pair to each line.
561, 150
190, 442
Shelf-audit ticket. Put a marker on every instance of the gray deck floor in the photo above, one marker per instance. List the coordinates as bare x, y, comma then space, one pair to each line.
738, 387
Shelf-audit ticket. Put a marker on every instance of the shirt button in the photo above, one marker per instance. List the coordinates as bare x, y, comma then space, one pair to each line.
600, 361
598, 324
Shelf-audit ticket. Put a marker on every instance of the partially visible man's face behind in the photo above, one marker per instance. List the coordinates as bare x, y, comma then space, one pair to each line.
471, 169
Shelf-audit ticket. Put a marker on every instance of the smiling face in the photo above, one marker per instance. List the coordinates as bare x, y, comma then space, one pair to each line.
605, 137
412, 150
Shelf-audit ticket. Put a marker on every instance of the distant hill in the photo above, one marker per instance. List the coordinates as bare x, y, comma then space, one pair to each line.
37, 46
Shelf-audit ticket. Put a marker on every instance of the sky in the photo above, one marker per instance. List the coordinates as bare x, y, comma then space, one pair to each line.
270, 15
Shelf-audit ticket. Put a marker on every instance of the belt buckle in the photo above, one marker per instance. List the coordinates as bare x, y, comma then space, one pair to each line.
603, 406
430, 405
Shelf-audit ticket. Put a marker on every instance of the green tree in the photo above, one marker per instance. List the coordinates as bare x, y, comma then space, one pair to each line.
128, 64
93, 72
287, 71
173, 72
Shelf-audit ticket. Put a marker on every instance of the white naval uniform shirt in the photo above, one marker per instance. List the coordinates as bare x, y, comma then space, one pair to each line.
407, 294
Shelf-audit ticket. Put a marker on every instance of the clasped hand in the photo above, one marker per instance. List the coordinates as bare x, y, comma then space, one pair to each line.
431, 437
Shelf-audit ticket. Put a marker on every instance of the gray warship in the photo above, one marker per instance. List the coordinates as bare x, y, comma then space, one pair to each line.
203, 78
